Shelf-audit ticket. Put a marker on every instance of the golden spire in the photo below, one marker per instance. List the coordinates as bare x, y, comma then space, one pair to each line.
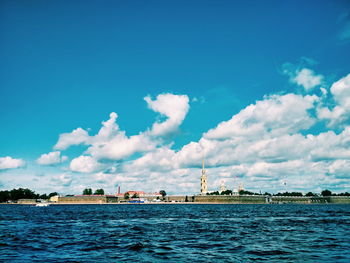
204, 187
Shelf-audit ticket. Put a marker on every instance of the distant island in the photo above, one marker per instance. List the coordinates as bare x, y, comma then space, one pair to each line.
27, 196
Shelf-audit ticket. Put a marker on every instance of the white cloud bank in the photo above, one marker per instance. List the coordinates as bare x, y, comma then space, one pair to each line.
111, 143
269, 145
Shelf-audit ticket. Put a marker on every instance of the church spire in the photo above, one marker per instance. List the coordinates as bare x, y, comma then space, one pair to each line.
204, 186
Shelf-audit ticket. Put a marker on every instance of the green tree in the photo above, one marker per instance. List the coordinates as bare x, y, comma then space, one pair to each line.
53, 194
43, 196
244, 192
163, 193
126, 196
135, 195
87, 191
21, 193
326, 193
4, 196
99, 192
227, 192
310, 194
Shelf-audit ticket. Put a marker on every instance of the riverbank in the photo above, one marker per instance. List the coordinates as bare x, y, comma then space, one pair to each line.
196, 199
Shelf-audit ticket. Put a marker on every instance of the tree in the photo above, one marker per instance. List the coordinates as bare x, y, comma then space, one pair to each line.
326, 193
135, 195
290, 194
126, 196
99, 192
310, 194
53, 194
43, 196
163, 193
87, 191
244, 192
227, 192
4, 196
21, 193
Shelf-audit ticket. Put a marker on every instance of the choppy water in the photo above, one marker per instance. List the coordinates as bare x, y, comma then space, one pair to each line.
175, 233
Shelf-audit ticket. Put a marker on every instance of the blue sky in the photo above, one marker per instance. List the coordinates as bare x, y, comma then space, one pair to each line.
69, 64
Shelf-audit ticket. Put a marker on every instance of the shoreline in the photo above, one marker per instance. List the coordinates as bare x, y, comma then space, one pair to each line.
178, 203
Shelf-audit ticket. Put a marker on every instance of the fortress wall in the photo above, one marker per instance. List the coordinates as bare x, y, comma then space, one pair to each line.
82, 199
339, 199
230, 199
179, 198
26, 201
291, 199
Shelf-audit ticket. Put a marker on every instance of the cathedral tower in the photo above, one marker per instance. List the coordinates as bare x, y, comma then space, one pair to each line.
204, 186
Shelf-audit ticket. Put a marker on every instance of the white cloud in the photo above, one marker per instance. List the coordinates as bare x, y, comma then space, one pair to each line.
112, 143
10, 163
84, 164
174, 107
51, 158
266, 144
307, 78
65, 179
340, 90
76, 137
275, 115
120, 146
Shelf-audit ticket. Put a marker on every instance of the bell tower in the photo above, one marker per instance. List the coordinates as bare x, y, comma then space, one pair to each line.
204, 186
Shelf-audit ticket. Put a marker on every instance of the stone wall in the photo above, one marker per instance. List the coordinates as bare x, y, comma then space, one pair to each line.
26, 201
88, 199
231, 199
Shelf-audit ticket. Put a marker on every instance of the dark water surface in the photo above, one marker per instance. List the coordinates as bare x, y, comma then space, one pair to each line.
175, 233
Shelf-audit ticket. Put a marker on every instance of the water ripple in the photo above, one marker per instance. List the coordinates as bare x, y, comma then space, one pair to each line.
175, 233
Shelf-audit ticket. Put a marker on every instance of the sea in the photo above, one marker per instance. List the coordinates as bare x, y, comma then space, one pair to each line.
175, 233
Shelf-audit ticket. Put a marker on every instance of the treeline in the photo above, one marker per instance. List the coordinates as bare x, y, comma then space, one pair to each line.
88, 191
22, 193
309, 194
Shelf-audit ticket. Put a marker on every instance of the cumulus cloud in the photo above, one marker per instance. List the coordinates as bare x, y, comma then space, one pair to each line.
10, 163
274, 115
112, 143
340, 90
51, 158
84, 164
76, 137
64, 180
307, 78
270, 145
174, 107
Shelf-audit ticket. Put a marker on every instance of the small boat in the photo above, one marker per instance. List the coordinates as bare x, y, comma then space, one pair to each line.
42, 204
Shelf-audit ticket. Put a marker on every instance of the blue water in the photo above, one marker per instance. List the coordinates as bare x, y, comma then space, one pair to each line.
175, 233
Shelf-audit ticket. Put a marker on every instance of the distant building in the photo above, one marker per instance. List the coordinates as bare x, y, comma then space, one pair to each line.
204, 185
132, 193
137, 193
222, 187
